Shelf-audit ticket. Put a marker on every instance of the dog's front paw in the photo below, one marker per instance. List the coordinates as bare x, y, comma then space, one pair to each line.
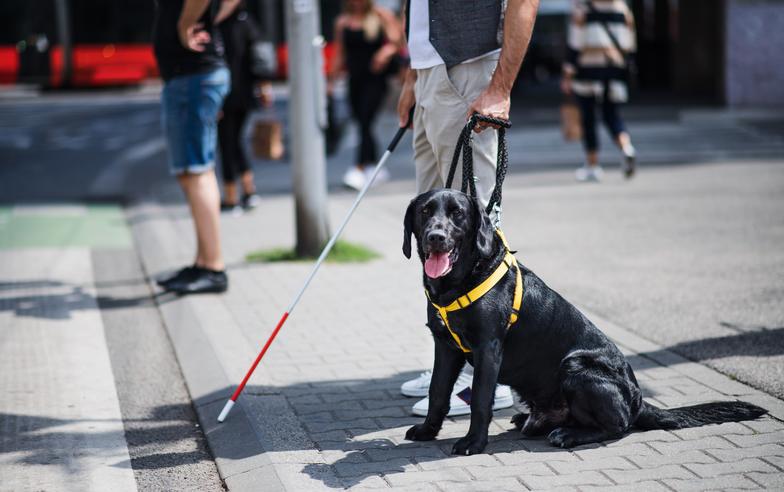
469, 445
519, 420
422, 432
562, 438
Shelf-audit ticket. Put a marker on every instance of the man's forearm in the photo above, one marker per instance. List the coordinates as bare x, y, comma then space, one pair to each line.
192, 10
518, 26
409, 75
227, 7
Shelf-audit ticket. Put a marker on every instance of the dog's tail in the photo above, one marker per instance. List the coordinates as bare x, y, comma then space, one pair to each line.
696, 415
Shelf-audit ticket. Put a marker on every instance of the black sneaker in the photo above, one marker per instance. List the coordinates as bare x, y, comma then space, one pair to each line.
628, 164
250, 201
178, 276
201, 280
232, 209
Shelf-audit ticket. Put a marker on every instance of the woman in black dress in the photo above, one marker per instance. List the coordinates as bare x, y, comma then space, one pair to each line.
367, 39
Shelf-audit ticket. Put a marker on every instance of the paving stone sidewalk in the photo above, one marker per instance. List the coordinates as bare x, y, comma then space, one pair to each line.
323, 410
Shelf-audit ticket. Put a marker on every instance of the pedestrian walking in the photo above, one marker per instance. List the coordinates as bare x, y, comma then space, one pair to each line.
464, 59
189, 53
597, 70
239, 33
367, 42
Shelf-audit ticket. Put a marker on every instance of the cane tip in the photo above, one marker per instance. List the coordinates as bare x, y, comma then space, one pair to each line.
225, 411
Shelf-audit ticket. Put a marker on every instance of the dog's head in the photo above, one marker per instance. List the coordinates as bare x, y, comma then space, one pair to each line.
450, 228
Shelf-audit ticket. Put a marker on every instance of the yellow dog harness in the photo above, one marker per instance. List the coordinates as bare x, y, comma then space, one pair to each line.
483, 288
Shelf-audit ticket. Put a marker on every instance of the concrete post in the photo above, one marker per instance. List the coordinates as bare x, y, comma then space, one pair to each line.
307, 116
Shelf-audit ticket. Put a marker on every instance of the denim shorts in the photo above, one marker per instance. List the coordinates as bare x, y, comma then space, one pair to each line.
190, 106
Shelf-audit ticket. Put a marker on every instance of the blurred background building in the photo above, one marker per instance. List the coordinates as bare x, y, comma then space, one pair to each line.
716, 52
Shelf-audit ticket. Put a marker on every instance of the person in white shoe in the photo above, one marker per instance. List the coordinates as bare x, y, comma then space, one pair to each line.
367, 39
460, 401
601, 37
464, 59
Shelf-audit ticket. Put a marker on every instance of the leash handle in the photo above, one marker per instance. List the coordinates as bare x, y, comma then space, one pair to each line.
464, 148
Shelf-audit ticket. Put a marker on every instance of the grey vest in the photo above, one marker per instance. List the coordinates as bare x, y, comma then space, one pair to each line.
462, 29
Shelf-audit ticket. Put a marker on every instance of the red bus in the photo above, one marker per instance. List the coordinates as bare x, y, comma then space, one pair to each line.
78, 43
90, 43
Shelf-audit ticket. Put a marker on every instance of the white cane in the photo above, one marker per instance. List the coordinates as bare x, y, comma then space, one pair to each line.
401, 131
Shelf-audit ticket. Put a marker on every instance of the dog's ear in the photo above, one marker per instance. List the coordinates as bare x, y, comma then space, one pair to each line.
408, 228
484, 230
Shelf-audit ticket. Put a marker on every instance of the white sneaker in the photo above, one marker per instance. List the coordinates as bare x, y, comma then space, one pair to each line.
420, 386
381, 177
354, 178
589, 173
460, 401
417, 387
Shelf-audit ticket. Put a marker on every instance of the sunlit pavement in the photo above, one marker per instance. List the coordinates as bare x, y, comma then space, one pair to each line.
677, 261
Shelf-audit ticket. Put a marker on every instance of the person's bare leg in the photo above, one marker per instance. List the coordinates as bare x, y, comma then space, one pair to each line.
592, 158
203, 196
248, 186
230, 193
624, 142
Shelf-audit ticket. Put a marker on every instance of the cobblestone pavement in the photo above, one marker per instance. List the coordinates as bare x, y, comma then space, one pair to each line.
323, 410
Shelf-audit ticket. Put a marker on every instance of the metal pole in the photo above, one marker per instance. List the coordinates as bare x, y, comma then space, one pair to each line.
63, 16
306, 115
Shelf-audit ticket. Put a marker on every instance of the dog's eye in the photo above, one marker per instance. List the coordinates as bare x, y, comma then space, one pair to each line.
457, 213
426, 211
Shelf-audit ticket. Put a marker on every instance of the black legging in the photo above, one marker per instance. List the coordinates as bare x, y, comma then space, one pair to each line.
610, 115
233, 161
366, 95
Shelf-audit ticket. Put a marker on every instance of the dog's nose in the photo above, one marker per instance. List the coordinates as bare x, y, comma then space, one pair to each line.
436, 238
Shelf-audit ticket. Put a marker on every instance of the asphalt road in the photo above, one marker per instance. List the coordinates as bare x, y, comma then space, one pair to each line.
108, 145
688, 257
167, 448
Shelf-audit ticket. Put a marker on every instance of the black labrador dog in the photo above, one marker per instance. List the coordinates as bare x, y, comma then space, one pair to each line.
578, 386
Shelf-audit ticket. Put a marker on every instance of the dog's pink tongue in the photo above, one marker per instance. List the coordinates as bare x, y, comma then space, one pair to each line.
436, 264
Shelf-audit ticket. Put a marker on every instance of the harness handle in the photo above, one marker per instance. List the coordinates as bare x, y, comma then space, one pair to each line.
463, 148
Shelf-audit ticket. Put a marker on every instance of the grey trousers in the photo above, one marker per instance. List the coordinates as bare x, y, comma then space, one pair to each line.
442, 100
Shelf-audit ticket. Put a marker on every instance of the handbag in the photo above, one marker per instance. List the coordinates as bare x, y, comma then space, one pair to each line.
267, 139
571, 124
263, 60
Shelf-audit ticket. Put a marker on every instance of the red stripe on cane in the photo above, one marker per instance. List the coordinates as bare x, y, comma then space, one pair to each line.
258, 359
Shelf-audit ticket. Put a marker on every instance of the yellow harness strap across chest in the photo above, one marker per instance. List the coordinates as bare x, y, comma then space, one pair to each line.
483, 288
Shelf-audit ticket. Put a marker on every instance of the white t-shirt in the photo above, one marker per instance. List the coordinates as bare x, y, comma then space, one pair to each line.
421, 51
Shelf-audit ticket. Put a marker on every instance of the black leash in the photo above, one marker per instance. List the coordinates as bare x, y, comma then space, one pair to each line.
464, 148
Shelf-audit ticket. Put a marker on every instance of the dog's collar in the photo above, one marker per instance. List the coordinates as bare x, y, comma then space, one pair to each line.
483, 288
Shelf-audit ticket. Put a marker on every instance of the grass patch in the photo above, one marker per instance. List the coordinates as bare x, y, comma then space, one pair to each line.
342, 252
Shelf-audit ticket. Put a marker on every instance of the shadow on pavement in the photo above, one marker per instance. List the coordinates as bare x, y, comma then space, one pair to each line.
52, 441
73, 298
365, 420
363, 424
763, 341
359, 425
